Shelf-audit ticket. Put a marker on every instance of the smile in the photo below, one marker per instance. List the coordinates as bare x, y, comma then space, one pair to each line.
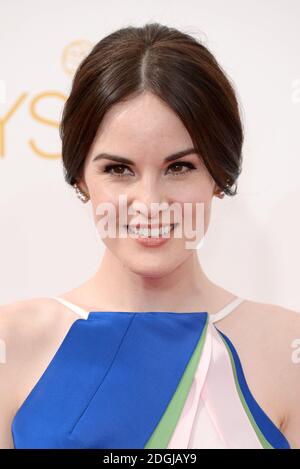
147, 231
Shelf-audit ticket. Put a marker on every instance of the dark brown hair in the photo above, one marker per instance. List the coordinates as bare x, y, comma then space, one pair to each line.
174, 66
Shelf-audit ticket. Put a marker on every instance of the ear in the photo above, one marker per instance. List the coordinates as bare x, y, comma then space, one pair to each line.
215, 188
80, 181
82, 186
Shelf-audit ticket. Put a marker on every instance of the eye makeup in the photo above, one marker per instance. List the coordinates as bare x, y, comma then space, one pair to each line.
111, 168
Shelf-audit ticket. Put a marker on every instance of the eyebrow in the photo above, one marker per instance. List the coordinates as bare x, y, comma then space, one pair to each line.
122, 159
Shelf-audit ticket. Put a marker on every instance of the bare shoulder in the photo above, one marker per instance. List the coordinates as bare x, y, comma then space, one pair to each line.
277, 313
26, 323
274, 323
30, 332
277, 327
285, 325
26, 315
275, 331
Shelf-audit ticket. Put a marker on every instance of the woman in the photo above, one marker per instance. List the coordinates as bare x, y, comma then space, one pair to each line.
149, 352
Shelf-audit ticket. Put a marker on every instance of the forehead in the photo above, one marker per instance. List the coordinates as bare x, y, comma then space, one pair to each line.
143, 124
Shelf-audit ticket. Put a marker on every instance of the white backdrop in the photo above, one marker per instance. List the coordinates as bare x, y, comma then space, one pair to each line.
48, 242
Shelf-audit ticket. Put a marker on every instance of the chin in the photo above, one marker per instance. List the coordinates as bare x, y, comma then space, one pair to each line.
152, 268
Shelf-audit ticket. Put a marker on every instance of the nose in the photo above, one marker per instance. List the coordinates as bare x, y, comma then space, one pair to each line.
148, 198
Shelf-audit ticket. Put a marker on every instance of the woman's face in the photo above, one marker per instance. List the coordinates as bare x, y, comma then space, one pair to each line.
145, 131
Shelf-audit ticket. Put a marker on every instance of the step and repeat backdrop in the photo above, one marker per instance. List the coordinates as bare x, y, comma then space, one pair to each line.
48, 242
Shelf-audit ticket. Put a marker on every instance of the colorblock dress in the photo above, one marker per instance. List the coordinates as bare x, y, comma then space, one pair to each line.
144, 380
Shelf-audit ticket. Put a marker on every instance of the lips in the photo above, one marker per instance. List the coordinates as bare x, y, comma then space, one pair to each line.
151, 238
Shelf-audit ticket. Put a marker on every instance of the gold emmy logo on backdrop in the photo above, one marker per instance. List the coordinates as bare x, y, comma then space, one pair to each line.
71, 57
73, 54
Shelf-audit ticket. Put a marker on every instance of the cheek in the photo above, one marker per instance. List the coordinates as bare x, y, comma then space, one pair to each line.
193, 194
105, 205
201, 195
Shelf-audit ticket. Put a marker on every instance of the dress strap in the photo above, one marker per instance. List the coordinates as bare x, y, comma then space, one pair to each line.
77, 309
212, 317
226, 310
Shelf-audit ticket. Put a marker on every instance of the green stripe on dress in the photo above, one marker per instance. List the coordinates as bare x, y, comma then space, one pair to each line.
262, 439
165, 428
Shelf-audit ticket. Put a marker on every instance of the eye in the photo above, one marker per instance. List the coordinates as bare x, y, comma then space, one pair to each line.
116, 170
180, 165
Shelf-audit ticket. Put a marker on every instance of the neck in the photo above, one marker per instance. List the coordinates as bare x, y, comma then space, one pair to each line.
185, 289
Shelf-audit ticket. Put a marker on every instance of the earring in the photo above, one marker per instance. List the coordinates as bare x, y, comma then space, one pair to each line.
219, 193
80, 194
